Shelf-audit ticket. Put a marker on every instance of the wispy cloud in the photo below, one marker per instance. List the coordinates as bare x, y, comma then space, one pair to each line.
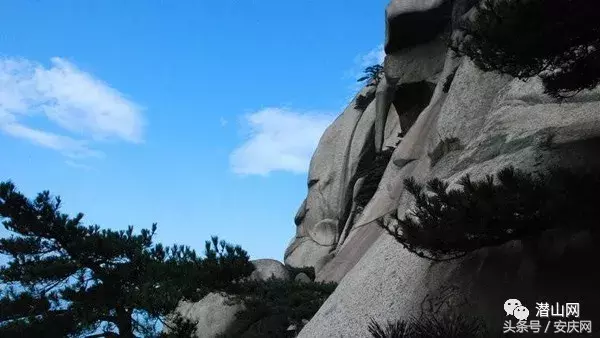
78, 165
279, 139
68, 146
374, 56
362, 61
82, 108
223, 122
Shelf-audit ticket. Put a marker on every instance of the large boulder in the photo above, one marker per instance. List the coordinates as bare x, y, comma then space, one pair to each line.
498, 121
302, 278
214, 314
493, 121
269, 268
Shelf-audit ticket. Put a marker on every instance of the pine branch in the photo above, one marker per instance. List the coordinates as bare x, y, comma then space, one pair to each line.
446, 225
100, 275
557, 40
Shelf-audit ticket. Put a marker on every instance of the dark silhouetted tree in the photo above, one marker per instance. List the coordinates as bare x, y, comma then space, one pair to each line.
65, 279
373, 75
447, 224
272, 306
558, 40
431, 326
363, 101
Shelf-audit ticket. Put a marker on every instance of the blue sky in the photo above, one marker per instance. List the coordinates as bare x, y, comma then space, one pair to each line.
198, 115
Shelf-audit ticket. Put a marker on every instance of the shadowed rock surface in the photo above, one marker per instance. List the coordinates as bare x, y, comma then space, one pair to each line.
492, 121
403, 16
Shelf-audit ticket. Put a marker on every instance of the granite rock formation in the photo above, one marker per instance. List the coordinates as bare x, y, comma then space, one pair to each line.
215, 314
495, 121
269, 268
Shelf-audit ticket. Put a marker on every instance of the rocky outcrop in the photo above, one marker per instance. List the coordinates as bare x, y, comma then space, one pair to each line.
492, 121
215, 314
344, 146
402, 16
302, 278
499, 121
328, 216
269, 268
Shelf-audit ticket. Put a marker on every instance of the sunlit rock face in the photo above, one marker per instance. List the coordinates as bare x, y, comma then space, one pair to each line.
344, 146
497, 121
213, 313
269, 268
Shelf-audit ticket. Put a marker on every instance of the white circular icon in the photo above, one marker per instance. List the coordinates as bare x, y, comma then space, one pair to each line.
521, 313
510, 306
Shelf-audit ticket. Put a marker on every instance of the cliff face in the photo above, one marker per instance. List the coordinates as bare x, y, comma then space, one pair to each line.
494, 121
344, 147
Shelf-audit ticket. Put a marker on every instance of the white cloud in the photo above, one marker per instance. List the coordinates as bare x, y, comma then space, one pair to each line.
78, 165
285, 140
279, 140
374, 56
68, 146
223, 122
74, 101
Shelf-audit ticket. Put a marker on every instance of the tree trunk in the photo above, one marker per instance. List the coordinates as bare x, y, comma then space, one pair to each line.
124, 323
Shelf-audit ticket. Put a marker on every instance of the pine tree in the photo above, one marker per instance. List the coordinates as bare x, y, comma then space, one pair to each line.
373, 75
557, 40
66, 279
448, 224
273, 305
431, 326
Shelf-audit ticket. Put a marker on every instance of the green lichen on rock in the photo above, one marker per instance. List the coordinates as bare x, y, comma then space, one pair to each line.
445, 146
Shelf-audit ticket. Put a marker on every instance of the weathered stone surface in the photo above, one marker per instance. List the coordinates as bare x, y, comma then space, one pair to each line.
214, 315
386, 199
413, 22
500, 122
305, 252
354, 212
395, 284
347, 142
267, 268
301, 213
419, 63
302, 278
392, 129
404, 71
496, 121
323, 262
333, 166
325, 232
383, 102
